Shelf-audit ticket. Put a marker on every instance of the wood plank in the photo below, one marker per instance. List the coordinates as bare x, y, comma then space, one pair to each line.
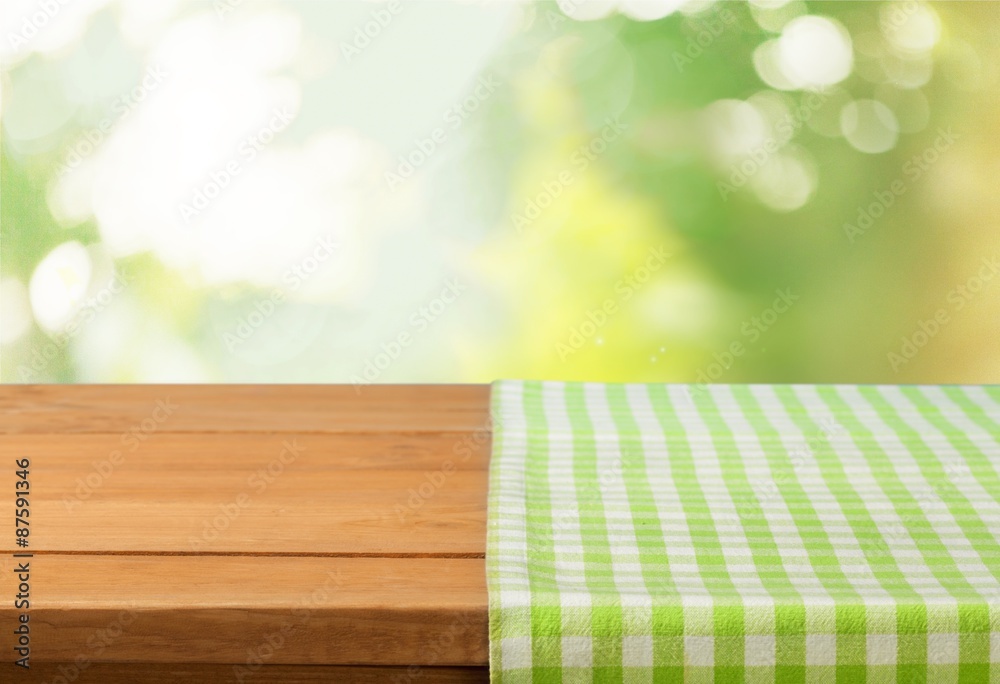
348, 516
203, 452
167, 673
242, 408
236, 610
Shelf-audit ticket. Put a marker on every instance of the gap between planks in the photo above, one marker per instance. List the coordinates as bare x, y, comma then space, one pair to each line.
168, 673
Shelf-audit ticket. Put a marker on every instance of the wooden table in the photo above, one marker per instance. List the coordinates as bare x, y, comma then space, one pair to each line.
247, 533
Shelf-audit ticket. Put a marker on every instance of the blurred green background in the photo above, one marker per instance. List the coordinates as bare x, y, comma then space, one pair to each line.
656, 190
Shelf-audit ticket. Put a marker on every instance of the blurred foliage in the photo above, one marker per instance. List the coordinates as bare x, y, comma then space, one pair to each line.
545, 198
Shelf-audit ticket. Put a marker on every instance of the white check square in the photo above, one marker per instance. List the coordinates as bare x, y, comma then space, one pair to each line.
881, 649
699, 651
515, 653
759, 650
942, 649
577, 651
821, 649
637, 651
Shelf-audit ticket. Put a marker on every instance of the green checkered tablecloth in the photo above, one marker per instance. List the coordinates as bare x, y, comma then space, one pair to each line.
660, 533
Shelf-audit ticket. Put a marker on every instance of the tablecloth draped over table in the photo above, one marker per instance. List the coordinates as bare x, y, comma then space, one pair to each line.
806, 533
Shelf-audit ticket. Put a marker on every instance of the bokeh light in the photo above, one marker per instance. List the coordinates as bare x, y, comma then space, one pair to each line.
584, 189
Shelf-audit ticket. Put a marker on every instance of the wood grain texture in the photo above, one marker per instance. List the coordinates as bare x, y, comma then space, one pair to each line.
350, 512
221, 452
350, 527
212, 609
167, 673
67, 409
385, 492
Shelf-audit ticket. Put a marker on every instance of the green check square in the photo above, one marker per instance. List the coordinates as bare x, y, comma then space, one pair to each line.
546, 651
790, 674
851, 619
729, 620
607, 649
729, 651
973, 647
668, 651
790, 620
969, 673
790, 650
911, 649
849, 674
974, 618
668, 620
606, 621
852, 649
911, 619
668, 674
730, 674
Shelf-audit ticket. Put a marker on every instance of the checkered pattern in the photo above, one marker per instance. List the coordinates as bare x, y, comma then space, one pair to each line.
660, 533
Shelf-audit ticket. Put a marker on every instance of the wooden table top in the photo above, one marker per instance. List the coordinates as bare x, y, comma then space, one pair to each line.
269, 528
